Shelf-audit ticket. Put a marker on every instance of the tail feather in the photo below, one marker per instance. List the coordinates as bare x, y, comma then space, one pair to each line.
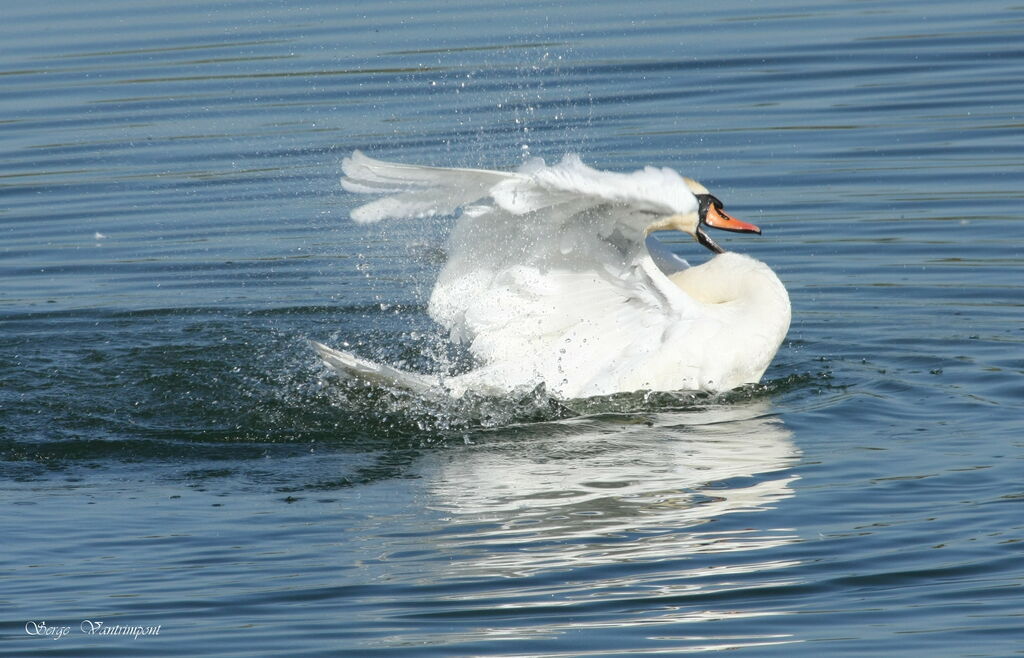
349, 365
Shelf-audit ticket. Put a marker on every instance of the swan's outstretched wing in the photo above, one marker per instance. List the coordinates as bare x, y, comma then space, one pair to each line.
419, 191
414, 190
548, 277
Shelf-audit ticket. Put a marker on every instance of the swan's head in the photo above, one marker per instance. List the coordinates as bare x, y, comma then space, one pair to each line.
709, 213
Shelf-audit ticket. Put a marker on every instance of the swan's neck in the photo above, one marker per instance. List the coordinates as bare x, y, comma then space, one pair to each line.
743, 294
746, 310
734, 282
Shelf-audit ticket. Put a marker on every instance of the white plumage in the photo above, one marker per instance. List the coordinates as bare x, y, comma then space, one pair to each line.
550, 279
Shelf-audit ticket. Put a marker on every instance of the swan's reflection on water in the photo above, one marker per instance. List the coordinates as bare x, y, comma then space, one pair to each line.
611, 476
631, 510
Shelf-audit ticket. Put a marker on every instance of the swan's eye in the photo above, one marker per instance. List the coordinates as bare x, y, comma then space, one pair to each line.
705, 202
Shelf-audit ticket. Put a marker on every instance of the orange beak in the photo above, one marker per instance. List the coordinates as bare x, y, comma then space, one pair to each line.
716, 218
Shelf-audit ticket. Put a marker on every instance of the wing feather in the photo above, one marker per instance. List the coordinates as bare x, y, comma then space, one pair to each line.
415, 191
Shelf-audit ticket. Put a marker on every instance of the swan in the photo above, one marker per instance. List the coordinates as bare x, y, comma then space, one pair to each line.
553, 276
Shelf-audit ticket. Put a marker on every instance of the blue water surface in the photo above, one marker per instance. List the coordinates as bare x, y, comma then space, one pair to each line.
173, 458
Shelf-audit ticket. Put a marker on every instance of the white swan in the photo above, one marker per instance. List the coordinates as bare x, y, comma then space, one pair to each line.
552, 277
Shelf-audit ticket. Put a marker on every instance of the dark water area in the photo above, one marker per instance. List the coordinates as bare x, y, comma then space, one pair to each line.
173, 456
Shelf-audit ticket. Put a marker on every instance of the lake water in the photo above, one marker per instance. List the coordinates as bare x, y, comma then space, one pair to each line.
174, 458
